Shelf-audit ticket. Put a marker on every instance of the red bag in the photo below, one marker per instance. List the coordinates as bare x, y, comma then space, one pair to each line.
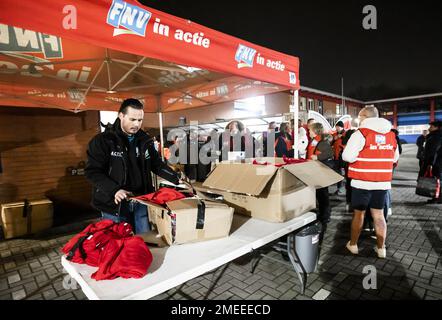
125, 258
112, 248
162, 196
86, 246
284, 158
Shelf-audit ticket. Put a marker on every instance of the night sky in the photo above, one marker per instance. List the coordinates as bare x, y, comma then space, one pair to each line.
402, 57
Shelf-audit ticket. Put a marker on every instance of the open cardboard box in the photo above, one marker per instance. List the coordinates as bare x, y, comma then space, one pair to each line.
183, 229
267, 192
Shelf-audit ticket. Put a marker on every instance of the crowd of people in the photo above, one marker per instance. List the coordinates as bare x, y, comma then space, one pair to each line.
365, 154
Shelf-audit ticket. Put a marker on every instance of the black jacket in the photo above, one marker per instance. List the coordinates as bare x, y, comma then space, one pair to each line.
420, 142
281, 147
107, 166
432, 144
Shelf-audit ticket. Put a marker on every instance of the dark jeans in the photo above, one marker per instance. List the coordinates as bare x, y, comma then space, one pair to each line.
324, 210
133, 213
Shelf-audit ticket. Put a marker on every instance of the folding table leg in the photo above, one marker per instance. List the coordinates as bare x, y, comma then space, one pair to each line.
256, 257
181, 292
214, 283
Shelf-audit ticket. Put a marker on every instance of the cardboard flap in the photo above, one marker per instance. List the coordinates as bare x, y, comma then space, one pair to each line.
240, 178
314, 174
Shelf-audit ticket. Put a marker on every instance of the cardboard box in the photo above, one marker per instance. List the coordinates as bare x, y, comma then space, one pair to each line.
178, 223
275, 194
18, 221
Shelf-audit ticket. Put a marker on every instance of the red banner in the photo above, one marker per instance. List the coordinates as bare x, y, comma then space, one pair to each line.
128, 26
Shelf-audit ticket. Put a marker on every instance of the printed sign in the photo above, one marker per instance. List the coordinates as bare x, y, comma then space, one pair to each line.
133, 18
245, 56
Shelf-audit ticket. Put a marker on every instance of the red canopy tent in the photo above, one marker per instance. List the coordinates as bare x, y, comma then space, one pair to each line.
91, 54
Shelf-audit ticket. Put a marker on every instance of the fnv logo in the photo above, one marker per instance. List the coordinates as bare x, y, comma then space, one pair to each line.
133, 18
245, 56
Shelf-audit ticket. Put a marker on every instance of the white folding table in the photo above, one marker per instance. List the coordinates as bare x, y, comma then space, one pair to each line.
173, 266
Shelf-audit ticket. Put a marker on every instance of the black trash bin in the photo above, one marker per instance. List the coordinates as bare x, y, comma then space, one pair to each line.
307, 246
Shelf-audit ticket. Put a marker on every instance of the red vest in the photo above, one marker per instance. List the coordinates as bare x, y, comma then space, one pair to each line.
375, 161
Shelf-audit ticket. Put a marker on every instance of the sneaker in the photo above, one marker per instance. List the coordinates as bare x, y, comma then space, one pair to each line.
389, 213
353, 249
382, 252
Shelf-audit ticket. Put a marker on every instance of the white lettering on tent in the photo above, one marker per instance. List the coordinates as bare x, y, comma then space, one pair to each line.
196, 38
26, 37
52, 41
8, 65
276, 65
71, 75
84, 74
4, 34
160, 28
27, 72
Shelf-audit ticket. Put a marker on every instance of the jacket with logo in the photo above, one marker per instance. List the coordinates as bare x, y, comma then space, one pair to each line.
107, 166
356, 144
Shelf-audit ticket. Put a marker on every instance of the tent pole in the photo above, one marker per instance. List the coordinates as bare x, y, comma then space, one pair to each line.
296, 117
160, 117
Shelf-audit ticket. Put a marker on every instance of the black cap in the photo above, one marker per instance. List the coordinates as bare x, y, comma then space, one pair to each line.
436, 123
340, 124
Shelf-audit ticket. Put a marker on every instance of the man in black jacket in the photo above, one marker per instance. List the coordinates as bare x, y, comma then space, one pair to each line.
120, 162
420, 142
432, 147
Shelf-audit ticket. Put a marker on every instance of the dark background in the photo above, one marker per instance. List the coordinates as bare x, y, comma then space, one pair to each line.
402, 57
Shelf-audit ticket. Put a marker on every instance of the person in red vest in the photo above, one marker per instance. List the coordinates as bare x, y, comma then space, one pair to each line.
371, 153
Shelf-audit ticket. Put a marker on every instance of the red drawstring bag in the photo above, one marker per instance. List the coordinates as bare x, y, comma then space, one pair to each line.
86, 246
162, 196
112, 248
284, 158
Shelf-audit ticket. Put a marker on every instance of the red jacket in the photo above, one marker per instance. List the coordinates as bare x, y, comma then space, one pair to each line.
112, 248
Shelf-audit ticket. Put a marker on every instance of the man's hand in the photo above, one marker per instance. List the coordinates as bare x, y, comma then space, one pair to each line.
122, 195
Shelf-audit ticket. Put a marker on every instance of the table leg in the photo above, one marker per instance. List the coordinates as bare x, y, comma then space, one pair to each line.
256, 257
214, 283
